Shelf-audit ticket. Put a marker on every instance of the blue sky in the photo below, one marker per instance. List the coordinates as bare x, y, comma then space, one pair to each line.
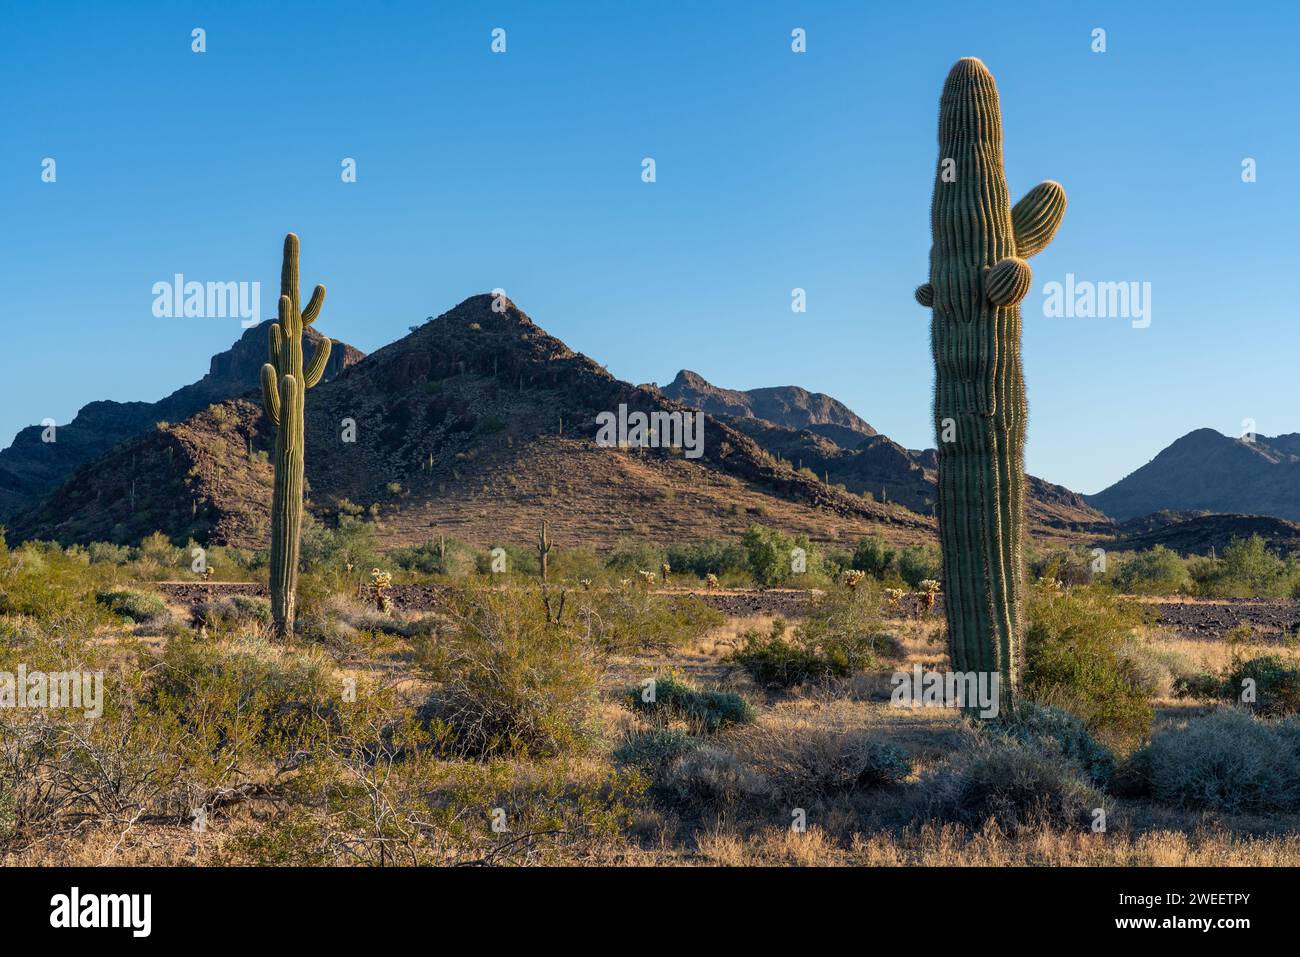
775, 170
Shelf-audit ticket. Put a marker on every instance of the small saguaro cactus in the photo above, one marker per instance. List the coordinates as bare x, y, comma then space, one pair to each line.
543, 549
285, 381
978, 276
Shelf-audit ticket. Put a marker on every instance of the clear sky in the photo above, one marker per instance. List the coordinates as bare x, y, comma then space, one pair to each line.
775, 170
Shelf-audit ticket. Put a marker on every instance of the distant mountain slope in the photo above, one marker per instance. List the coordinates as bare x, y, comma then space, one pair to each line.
31, 468
1210, 472
476, 425
1190, 534
842, 449
789, 406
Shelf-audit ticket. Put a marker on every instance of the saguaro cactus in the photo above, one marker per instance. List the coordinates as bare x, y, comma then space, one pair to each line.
543, 549
978, 276
284, 383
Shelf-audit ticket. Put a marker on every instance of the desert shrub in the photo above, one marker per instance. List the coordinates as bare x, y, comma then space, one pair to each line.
1159, 672
1157, 571
806, 764
443, 557
1016, 785
519, 560
1226, 761
1069, 566
234, 611
1054, 731
1247, 569
510, 681
1074, 654
632, 555
106, 553
707, 558
137, 605
39, 580
711, 778
1276, 685
351, 542
918, 563
769, 554
654, 747
669, 698
874, 557
1202, 686
841, 635
234, 694
157, 549
636, 619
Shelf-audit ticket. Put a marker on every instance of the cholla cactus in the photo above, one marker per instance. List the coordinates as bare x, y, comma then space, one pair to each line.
625, 583
585, 583
381, 583
894, 596
647, 578
710, 580
665, 569
929, 589
853, 578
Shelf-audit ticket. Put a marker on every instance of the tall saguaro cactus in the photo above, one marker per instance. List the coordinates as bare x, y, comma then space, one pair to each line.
978, 276
284, 384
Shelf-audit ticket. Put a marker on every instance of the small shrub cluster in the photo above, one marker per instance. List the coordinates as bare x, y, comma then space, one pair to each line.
669, 698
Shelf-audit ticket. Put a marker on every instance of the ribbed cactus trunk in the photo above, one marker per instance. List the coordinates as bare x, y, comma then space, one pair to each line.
978, 276
284, 385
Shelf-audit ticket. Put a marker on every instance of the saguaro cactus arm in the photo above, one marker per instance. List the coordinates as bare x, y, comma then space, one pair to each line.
271, 393
319, 360
313, 305
1037, 216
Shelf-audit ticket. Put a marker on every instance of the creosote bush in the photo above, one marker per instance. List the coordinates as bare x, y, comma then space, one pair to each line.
139, 606
1075, 660
510, 681
842, 634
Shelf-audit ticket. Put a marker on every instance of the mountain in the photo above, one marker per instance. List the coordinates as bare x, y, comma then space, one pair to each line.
788, 406
816, 432
1196, 534
1206, 471
31, 468
477, 425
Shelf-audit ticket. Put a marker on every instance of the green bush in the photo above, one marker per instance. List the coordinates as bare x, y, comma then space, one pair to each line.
841, 635
769, 554
1276, 685
874, 557
508, 680
918, 563
1247, 569
1075, 659
635, 619
1226, 761
707, 558
655, 747
443, 557
670, 698
139, 606
1158, 571
233, 612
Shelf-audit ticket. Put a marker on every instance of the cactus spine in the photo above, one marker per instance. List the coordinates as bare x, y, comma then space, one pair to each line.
978, 276
284, 383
